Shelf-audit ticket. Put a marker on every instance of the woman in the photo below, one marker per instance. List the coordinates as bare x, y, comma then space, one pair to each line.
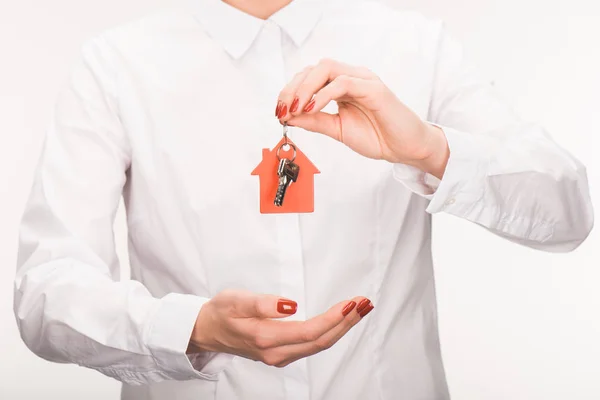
173, 112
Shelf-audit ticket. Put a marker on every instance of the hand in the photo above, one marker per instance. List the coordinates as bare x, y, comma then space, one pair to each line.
248, 325
371, 120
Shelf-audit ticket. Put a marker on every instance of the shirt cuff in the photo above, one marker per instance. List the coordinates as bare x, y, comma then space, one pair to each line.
169, 335
415, 180
463, 182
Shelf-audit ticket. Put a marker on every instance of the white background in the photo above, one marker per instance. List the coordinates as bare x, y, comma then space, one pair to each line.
515, 323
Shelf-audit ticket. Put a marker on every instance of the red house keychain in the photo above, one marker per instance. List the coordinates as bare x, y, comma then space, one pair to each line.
286, 176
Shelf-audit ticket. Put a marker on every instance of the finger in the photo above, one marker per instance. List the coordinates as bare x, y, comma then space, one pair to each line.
320, 122
269, 333
287, 102
343, 87
251, 305
284, 355
346, 88
326, 71
329, 338
326, 341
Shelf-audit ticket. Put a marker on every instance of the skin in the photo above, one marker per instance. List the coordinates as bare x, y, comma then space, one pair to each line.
372, 121
249, 325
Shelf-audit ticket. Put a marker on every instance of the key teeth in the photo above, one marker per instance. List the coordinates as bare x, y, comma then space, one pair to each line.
279, 197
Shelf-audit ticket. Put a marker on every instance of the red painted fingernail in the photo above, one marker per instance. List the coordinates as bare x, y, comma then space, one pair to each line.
287, 306
282, 111
294, 105
310, 106
366, 311
349, 307
277, 108
362, 305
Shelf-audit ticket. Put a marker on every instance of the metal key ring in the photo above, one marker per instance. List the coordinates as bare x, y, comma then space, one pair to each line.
289, 144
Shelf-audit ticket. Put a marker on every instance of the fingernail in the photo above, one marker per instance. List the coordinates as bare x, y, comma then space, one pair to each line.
277, 108
366, 311
362, 305
282, 111
310, 106
294, 105
287, 307
349, 307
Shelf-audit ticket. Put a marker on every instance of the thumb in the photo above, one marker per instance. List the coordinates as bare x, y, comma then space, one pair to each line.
320, 122
265, 306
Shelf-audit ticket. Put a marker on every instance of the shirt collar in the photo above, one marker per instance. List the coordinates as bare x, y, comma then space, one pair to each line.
236, 30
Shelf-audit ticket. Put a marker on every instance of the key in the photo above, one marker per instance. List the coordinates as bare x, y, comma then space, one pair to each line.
288, 174
284, 181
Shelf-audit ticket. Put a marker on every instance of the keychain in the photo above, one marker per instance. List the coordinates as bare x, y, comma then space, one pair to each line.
286, 179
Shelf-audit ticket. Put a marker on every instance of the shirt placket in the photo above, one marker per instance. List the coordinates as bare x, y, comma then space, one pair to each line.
289, 243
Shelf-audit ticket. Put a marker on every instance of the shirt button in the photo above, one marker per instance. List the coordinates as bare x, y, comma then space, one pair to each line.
450, 201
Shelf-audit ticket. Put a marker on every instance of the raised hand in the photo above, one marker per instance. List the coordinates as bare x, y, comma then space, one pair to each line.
249, 325
371, 120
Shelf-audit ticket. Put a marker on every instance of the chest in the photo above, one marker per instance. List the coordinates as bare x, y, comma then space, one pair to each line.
199, 124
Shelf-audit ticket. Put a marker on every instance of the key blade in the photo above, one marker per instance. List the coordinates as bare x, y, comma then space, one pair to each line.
281, 189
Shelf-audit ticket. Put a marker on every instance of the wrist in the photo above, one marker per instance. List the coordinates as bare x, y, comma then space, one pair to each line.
436, 154
199, 339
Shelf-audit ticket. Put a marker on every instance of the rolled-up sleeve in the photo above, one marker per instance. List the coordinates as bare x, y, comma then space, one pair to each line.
503, 173
69, 304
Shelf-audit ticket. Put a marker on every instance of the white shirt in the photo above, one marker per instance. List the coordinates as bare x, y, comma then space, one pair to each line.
173, 111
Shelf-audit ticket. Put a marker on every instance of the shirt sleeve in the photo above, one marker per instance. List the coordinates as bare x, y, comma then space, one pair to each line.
504, 174
69, 305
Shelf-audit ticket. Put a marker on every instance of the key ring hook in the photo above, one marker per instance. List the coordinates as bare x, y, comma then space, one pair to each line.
285, 132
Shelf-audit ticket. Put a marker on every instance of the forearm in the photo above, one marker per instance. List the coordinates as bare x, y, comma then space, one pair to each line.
497, 170
517, 183
69, 312
70, 309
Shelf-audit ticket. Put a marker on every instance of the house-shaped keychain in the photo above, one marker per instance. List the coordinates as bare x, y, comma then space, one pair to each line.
300, 195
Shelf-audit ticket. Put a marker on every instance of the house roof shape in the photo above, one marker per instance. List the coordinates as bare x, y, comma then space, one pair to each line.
266, 164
